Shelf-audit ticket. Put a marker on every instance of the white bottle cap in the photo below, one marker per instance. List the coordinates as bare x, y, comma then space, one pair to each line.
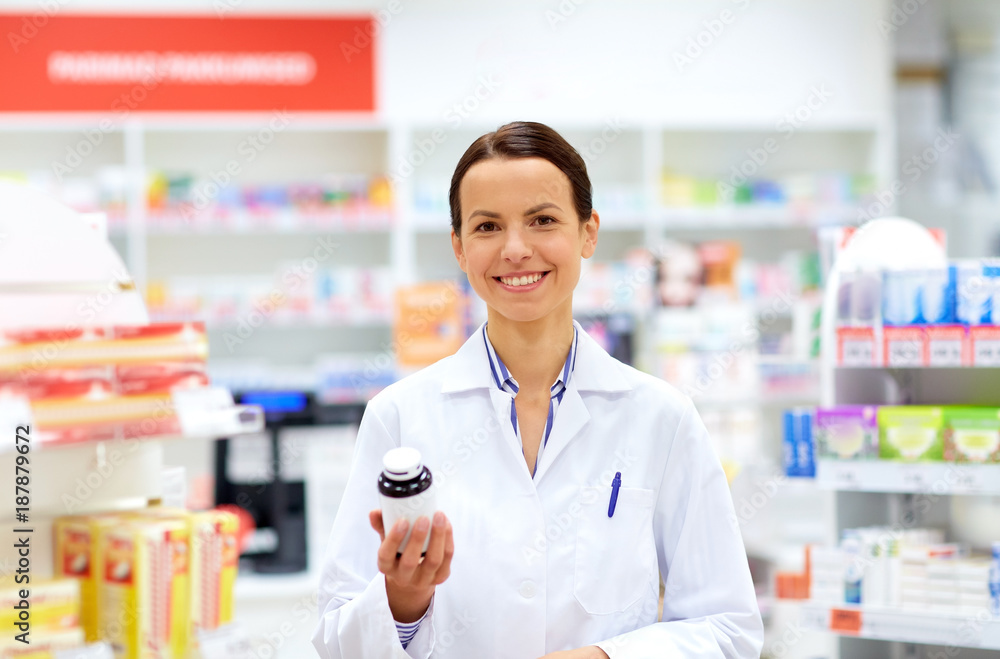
402, 464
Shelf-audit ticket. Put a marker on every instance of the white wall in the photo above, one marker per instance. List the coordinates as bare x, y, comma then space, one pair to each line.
581, 60
601, 60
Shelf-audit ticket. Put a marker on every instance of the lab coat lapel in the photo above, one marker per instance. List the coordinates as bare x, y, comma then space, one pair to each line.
502, 402
570, 420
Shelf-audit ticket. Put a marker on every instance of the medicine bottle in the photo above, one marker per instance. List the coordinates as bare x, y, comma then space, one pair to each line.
406, 491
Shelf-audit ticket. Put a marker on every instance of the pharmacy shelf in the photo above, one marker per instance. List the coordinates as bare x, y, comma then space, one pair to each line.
762, 216
694, 218
242, 221
932, 478
313, 321
969, 630
938, 369
764, 400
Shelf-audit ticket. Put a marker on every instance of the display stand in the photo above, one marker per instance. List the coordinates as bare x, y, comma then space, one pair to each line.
58, 273
867, 493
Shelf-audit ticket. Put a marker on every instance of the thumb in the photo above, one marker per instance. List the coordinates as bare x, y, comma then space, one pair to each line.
375, 519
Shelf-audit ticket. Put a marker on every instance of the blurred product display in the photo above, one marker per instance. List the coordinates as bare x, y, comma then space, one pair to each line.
176, 567
938, 317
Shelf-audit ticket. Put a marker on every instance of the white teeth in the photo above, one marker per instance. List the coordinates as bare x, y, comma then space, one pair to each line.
521, 281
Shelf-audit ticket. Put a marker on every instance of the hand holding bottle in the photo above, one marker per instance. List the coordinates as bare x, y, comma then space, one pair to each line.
409, 579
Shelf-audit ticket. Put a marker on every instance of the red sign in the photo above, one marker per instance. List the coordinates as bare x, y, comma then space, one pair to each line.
74, 63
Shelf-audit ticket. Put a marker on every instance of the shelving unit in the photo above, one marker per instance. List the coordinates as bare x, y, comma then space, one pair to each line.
914, 627
626, 163
881, 492
89, 476
936, 479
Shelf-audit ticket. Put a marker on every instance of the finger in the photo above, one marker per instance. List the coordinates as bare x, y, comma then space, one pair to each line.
387, 550
375, 519
410, 560
435, 551
449, 551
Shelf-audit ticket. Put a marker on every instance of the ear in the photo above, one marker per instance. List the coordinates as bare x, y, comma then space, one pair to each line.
589, 229
456, 246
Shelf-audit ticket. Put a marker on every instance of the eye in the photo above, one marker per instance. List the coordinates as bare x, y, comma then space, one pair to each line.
487, 227
544, 220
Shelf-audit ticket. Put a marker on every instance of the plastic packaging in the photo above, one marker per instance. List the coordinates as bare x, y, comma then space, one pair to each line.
847, 432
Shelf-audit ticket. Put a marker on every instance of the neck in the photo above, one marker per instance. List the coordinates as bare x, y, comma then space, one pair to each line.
534, 352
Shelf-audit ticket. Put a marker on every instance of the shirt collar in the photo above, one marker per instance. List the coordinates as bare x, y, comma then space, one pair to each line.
594, 369
505, 381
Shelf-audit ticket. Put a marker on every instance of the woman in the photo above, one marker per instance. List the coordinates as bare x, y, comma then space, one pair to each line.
531, 431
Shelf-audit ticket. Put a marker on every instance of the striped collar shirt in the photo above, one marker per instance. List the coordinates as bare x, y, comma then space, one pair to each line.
506, 382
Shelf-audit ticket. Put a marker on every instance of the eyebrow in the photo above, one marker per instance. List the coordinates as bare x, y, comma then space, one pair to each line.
530, 211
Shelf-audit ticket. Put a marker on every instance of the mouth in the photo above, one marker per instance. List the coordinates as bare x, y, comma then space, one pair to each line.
524, 282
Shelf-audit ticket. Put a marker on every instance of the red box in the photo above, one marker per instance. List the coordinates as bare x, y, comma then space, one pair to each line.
904, 346
948, 345
856, 346
985, 341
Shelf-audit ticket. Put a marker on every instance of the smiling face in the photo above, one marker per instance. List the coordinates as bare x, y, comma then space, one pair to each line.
521, 240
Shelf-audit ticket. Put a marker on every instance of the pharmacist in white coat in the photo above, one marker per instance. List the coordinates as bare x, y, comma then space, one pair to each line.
569, 483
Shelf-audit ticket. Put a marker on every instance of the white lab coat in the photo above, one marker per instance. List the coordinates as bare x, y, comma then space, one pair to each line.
538, 565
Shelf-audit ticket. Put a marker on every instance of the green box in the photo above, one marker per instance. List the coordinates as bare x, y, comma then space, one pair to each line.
972, 434
911, 433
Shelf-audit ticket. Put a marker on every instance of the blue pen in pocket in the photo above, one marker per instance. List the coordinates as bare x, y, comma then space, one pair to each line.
615, 484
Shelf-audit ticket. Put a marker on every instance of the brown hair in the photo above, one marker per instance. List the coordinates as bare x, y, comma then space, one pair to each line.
525, 139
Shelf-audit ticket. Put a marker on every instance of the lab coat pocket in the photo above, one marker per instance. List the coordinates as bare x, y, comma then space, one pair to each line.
615, 556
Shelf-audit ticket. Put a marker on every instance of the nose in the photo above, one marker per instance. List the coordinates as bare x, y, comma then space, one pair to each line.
515, 245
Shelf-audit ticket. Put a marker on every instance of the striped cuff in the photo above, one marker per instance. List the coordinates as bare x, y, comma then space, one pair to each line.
408, 630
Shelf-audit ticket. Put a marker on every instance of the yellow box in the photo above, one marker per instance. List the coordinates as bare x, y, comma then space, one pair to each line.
52, 605
44, 643
214, 560
145, 588
78, 556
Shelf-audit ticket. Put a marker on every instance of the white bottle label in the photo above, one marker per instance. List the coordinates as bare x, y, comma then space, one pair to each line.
409, 508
